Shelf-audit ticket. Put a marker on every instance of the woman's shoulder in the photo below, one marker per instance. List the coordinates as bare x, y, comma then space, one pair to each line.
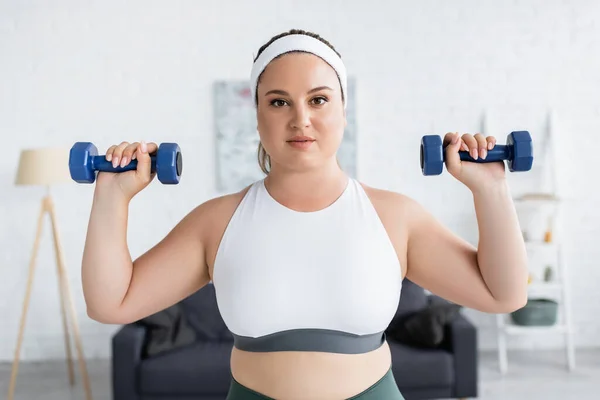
395, 208
220, 206
389, 199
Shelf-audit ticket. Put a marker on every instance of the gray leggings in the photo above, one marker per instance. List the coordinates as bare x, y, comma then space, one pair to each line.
385, 388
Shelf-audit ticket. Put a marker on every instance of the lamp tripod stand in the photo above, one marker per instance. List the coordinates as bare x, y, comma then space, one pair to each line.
66, 301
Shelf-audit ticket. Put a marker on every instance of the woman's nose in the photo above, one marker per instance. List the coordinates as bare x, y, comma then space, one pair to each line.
301, 118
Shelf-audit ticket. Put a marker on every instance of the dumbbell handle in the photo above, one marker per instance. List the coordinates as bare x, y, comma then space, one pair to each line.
99, 163
500, 152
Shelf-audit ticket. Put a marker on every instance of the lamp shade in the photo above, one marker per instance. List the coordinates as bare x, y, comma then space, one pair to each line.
44, 166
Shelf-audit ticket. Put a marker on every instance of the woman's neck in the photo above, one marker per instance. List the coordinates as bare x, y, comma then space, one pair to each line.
306, 190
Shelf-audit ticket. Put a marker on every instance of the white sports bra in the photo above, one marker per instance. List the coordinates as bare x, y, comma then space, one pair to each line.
328, 280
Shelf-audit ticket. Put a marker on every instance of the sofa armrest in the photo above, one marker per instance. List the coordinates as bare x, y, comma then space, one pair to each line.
127, 345
460, 338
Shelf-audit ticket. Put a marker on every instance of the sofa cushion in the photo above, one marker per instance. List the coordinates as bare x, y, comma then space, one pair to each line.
203, 315
414, 368
202, 368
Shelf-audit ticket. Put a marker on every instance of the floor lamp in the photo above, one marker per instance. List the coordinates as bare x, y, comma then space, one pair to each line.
47, 167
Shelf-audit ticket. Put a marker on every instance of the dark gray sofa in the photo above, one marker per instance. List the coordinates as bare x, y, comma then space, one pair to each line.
199, 369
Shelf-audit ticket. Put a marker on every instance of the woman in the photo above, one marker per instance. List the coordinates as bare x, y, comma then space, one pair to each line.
307, 263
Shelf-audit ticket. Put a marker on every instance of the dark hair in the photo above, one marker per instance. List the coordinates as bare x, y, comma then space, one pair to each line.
264, 161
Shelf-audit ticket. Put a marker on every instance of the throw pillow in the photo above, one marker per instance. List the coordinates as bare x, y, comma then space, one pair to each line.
425, 328
166, 330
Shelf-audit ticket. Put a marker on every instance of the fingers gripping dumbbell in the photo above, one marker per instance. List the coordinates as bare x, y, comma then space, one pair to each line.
518, 151
84, 161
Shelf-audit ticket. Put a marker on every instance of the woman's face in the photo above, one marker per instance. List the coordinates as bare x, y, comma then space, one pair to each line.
301, 116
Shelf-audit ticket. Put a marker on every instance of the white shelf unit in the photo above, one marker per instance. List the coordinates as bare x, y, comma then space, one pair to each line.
541, 248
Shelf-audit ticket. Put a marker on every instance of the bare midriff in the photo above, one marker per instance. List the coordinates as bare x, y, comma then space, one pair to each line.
294, 375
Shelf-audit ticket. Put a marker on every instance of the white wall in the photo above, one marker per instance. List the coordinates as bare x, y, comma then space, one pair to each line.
111, 71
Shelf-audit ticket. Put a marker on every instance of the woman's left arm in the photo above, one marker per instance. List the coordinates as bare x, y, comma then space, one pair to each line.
490, 278
501, 253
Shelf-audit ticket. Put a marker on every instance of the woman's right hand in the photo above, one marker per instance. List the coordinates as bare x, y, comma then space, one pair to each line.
131, 182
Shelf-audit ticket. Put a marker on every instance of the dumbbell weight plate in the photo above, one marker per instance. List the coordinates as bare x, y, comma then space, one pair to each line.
80, 158
432, 156
169, 163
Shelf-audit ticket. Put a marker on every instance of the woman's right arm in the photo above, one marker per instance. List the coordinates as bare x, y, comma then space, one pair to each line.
118, 290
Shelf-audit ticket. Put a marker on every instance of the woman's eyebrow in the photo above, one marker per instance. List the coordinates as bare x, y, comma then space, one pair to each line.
284, 93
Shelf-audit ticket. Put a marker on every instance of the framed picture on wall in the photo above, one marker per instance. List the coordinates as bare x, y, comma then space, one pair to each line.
237, 138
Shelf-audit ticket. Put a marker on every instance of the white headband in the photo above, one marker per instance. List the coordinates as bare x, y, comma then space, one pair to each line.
299, 43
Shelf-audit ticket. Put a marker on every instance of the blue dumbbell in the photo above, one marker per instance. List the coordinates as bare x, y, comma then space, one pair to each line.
518, 151
84, 161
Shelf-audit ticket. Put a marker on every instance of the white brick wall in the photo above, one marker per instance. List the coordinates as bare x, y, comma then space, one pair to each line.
112, 71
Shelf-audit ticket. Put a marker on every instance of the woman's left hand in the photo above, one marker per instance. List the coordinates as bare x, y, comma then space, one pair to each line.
472, 174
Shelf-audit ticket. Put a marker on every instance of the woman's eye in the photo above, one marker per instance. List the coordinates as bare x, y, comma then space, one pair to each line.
320, 100
278, 103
